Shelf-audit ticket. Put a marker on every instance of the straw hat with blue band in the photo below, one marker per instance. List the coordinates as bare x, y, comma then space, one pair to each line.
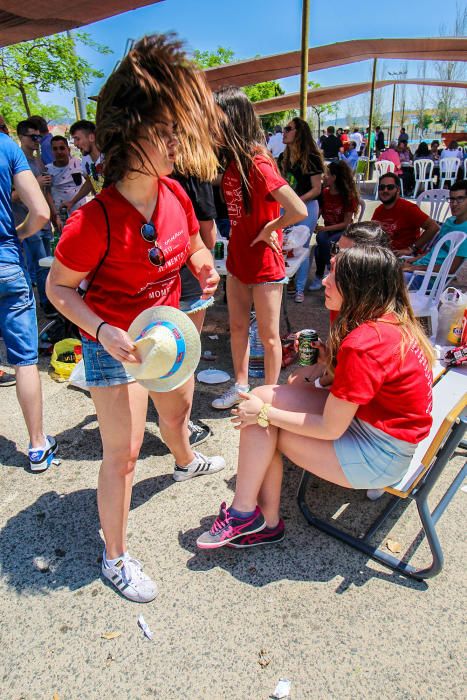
168, 345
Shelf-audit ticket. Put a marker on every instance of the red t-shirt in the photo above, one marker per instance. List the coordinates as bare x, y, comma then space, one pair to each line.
258, 263
393, 393
401, 222
127, 283
333, 207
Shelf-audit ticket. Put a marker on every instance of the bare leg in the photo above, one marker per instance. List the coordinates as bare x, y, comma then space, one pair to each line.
29, 393
174, 408
198, 319
121, 412
239, 299
258, 475
267, 299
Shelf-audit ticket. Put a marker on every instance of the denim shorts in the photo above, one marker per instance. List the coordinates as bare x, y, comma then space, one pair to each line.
18, 321
100, 368
371, 459
283, 280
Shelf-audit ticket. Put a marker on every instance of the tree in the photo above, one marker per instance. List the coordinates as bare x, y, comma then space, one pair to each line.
46, 63
450, 71
13, 110
423, 118
323, 110
260, 91
402, 95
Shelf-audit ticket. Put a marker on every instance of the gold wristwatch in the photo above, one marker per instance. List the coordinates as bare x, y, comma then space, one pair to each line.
262, 417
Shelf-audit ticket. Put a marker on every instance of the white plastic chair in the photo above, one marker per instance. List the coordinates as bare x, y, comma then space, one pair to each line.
448, 168
382, 167
360, 210
425, 301
439, 204
423, 170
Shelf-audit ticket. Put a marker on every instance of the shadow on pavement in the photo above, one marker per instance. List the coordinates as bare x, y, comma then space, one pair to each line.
63, 531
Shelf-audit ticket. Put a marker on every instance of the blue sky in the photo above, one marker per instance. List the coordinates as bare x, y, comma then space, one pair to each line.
264, 27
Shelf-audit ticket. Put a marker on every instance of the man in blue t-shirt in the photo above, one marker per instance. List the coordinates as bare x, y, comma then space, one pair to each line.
18, 322
456, 222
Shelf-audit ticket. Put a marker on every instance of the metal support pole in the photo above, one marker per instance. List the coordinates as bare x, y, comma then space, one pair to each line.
370, 120
392, 111
77, 112
304, 61
80, 96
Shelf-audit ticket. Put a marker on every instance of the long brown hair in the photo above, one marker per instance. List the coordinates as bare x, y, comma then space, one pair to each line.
298, 152
370, 281
243, 137
345, 183
155, 78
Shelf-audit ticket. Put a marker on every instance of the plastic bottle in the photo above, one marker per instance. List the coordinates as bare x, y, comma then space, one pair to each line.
256, 361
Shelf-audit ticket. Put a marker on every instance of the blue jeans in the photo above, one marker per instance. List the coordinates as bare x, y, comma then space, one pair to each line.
37, 247
323, 249
310, 221
18, 321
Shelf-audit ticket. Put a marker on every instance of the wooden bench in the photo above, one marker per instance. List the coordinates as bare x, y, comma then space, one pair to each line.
430, 458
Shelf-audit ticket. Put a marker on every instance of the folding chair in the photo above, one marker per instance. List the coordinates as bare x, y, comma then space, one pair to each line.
430, 458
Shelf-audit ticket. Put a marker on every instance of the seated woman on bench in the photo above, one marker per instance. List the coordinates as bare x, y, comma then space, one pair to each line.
362, 434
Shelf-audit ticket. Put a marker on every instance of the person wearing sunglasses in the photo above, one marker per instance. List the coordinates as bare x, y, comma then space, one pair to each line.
38, 246
362, 434
302, 166
409, 228
154, 109
456, 222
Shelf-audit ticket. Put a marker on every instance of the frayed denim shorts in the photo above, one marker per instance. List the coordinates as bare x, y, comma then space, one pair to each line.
100, 368
283, 280
371, 459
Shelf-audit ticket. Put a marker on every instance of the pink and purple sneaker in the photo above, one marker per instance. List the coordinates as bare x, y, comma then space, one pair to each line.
268, 535
227, 527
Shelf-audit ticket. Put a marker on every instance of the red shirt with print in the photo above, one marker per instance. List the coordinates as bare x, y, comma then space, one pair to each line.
333, 207
127, 283
401, 222
393, 390
253, 265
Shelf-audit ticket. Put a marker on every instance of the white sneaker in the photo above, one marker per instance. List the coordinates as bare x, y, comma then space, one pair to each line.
129, 579
200, 466
374, 494
315, 285
229, 398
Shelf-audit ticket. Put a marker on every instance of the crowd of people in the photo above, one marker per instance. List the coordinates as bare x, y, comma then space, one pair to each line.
135, 220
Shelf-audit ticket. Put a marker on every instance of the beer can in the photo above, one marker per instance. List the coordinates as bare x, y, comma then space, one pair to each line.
307, 354
219, 250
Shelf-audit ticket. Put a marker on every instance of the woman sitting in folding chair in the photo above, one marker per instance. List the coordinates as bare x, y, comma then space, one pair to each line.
364, 432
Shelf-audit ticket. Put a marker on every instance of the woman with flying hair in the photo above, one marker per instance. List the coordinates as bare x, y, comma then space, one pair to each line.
360, 435
339, 202
129, 243
254, 193
302, 166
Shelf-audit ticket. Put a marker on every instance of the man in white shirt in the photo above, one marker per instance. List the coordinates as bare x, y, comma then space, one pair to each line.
358, 138
83, 133
67, 179
275, 143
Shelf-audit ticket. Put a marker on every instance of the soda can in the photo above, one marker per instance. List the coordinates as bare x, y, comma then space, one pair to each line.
307, 354
219, 250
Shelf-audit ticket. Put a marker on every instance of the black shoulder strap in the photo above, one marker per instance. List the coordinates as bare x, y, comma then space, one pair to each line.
102, 205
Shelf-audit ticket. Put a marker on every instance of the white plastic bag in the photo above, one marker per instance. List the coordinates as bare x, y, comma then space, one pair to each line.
78, 376
295, 237
450, 314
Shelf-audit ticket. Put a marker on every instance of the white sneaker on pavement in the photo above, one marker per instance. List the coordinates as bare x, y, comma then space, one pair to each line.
129, 579
230, 397
200, 466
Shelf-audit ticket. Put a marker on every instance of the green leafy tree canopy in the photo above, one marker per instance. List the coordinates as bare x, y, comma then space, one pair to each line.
47, 63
